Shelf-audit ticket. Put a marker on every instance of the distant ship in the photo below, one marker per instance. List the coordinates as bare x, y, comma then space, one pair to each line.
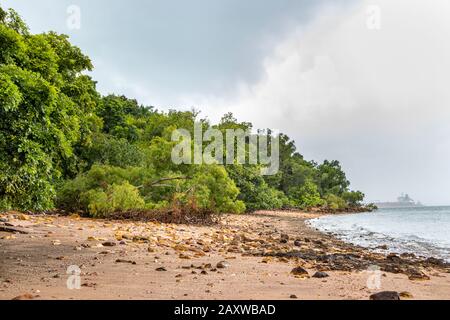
404, 201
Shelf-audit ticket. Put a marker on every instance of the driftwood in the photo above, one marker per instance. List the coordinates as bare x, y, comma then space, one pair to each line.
11, 229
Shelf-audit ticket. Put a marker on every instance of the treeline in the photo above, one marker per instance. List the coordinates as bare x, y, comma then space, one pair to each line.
63, 145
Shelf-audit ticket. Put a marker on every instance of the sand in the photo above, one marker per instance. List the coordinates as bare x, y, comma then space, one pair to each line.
36, 263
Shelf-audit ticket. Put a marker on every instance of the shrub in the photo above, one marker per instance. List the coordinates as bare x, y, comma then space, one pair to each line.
334, 202
99, 177
305, 196
254, 191
213, 189
109, 150
117, 198
353, 198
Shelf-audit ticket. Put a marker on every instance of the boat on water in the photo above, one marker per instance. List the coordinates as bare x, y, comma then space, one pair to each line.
403, 201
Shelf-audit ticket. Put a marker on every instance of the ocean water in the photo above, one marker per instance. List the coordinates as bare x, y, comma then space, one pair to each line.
424, 231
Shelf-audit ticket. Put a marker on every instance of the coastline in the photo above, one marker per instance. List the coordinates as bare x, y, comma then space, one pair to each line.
260, 250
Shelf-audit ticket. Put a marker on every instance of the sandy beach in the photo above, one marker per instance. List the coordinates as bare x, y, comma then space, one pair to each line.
243, 257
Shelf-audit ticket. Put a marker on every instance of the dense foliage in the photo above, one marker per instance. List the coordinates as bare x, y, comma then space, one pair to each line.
64, 145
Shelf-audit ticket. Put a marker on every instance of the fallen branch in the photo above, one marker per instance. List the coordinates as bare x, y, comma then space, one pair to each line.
12, 230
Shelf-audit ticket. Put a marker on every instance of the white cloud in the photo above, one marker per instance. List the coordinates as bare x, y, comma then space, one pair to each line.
378, 100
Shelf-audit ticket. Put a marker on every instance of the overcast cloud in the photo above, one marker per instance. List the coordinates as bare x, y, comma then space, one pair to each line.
375, 99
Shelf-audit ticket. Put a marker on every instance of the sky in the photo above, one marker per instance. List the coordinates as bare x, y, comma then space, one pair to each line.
363, 82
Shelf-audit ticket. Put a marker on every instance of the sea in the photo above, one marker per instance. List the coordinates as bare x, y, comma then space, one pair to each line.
424, 231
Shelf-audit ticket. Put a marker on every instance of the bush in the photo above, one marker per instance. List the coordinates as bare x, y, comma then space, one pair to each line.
98, 178
334, 202
353, 198
254, 191
109, 150
213, 189
117, 198
305, 196
105, 189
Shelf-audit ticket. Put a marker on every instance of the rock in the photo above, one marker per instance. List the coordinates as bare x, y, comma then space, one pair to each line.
392, 268
25, 296
297, 243
385, 295
89, 284
109, 244
406, 294
161, 269
383, 247
299, 272
23, 217
393, 257
204, 272
293, 296
125, 261
436, 262
417, 275
223, 265
284, 238
320, 274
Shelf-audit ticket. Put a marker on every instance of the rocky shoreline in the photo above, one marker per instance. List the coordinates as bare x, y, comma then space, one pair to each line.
262, 255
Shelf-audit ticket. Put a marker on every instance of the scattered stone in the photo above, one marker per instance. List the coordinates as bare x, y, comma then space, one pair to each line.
393, 257
161, 269
109, 244
204, 272
417, 275
284, 238
23, 217
299, 272
223, 265
406, 295
385, 295
89, 284
25, 296
297, 243
320, 274
125, 261
293, 296
436, 262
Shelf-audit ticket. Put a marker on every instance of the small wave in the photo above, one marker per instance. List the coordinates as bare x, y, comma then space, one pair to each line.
363, 235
